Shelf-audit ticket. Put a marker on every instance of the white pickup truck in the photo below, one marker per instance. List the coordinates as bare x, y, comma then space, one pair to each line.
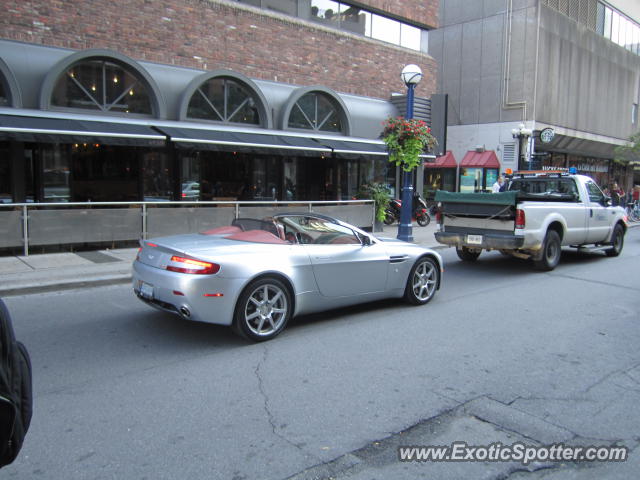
539, 214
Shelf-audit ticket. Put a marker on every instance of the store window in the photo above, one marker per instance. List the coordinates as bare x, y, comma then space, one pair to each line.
470, 179
103, 85
325, 11
56, 174
104, 173
225, 100
491, 177
156, 177
410, 37
354, 19
5, 174
438, 179
351, 18
4, 96
315, 111
385, 29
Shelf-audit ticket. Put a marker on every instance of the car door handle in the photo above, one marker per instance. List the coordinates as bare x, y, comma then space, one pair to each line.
323, 258
591, 212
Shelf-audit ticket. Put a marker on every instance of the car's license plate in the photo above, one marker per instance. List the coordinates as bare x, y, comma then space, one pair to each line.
474, 239
146, 290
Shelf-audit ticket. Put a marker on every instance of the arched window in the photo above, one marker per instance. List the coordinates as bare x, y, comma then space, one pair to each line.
223, 99
315, 111
4, 95
10, 95
104, 85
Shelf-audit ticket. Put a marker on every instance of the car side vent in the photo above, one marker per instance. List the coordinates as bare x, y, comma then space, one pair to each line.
398, 258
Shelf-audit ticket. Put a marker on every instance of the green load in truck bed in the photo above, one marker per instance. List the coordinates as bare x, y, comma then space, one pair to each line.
502, 198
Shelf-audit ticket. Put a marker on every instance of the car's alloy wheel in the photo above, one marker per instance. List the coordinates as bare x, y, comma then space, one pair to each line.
423, 281
263, 309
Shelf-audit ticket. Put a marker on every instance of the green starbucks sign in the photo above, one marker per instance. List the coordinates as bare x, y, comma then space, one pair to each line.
547, 135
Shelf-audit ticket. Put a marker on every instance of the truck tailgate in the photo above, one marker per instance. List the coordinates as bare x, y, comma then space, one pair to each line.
481, 220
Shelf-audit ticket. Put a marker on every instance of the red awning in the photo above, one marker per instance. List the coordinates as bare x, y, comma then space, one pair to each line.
445, 161
486, 159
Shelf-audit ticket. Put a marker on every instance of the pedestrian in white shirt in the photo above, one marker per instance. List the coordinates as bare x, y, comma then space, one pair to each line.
498, 185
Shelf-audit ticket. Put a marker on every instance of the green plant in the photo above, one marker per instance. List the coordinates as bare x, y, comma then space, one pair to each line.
630, 151
379, 193
406, 140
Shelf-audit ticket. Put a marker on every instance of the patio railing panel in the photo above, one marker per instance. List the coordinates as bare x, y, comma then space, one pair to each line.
11, 228
163, 221
56, 227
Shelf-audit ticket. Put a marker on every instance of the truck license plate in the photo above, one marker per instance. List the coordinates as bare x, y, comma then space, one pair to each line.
474, 239
146, 290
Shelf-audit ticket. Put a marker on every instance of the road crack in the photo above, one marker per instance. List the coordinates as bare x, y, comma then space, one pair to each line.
267, 409
597, 282
619, 371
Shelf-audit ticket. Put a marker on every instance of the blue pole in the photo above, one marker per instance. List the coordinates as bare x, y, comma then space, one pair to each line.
405, 229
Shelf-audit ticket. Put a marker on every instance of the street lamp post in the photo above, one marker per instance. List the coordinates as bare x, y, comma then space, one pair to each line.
522, 134
411, 76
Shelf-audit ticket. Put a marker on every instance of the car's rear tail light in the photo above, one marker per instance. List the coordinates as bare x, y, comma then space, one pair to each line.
520, 218
149, 244
189, 265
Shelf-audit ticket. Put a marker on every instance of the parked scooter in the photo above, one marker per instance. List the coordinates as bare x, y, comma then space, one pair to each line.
420, 212
392, 213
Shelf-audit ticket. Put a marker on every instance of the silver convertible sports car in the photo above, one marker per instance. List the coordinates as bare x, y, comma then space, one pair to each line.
256, 274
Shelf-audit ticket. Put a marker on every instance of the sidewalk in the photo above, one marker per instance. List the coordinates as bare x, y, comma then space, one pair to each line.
21, 275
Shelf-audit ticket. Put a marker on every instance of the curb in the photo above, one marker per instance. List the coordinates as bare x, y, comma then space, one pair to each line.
69, 285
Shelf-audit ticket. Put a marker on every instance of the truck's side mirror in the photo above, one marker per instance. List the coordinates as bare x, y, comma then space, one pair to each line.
606, 201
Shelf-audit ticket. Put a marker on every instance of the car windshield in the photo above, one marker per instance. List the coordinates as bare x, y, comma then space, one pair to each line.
316, 230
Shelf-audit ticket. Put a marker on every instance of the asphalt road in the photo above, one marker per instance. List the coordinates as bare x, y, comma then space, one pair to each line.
502, 353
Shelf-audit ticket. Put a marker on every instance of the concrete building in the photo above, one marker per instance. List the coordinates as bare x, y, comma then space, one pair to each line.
515, 68
199, 99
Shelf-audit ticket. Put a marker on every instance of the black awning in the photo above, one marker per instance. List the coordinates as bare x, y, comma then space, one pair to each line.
240, 141
69, 130
353, 149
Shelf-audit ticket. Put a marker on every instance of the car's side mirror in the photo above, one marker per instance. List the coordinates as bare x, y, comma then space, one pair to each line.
606, 201
366, 240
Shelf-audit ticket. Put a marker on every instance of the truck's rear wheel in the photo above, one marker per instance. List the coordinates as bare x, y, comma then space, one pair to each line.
468, 254
617, 242
549, 257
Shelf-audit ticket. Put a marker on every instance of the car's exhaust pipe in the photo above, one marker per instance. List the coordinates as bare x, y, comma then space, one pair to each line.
185, 312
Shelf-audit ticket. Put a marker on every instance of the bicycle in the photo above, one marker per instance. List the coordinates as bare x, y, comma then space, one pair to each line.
633, 211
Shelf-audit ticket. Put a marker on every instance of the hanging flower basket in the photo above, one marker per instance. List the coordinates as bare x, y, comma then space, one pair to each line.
406, 140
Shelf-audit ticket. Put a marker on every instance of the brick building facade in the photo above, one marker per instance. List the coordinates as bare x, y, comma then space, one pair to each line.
209, 34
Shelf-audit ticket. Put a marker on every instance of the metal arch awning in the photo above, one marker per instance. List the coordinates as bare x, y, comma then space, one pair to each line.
59, 128
71, 130
351, 148
242, 141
